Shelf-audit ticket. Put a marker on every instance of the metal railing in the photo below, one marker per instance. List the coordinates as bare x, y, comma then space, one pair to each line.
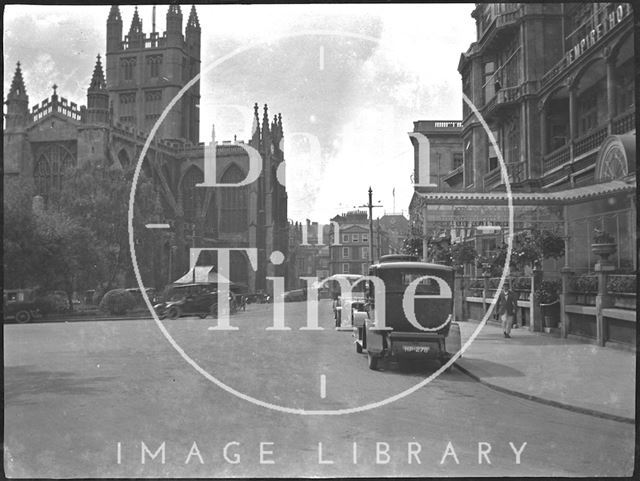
591, 140
556, 158
515, 171
624, 123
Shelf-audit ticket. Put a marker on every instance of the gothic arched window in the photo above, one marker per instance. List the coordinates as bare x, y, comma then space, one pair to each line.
49, 170
233, 202
192, 196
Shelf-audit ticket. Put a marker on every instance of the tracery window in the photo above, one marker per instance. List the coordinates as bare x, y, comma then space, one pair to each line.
154, 62
233, 202
128, 66
192, 196
49, 171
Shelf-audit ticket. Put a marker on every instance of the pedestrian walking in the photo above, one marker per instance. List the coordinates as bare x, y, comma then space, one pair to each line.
507, 305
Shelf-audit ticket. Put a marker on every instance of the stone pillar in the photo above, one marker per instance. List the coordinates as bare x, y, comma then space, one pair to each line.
465, 306
566, 274
573, 124
485, 287
535, 312
458, 300
602, 268
611, 92
425, 244
543, 130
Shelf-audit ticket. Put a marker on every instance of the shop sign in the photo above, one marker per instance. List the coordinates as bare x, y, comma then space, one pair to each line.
609, 21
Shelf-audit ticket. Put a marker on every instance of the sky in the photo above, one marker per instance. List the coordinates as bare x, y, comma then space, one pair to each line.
349, 80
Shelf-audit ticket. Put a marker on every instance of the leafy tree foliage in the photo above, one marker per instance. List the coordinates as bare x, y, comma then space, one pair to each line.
82, 241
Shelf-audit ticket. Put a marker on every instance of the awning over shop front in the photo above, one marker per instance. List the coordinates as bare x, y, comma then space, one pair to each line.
575, 195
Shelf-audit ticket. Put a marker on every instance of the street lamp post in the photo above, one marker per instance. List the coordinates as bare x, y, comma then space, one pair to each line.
371, 206
193, 246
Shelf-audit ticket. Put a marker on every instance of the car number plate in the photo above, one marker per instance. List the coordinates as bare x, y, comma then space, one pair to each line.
422, 349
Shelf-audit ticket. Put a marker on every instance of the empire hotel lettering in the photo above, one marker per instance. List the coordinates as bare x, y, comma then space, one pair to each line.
609, 21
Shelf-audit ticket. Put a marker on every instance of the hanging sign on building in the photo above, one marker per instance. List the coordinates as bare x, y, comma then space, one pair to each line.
608, 22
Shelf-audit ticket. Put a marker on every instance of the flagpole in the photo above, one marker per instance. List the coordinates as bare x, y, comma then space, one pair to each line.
394, 200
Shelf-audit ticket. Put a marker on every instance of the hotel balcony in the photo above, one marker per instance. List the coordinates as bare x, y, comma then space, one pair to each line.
584, 148
515, 170
454, 177
496, 22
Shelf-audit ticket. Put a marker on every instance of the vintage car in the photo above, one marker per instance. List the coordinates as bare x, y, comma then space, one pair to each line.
339, 298
418, 313
349, 302
199, 299
19, 305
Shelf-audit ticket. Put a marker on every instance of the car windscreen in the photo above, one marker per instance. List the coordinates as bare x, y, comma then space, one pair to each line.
397, 280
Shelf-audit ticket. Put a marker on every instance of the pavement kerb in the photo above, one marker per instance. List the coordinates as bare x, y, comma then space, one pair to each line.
549, 402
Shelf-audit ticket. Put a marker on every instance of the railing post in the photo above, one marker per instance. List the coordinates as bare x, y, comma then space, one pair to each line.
603, 299
485, 287
536, 323
566, 274
458, 301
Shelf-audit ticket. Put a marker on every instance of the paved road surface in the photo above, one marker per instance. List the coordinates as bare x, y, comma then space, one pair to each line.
85, 399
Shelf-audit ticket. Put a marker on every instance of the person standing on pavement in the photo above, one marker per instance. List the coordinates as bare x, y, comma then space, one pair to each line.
507, 305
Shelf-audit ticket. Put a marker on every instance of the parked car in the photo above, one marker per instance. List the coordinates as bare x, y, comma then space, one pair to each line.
257, 298
19, 305
200, 299
297, 295
137, 295
347, 303
431, 333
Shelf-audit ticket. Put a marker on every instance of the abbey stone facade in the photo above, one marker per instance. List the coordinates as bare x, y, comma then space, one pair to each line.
143, 74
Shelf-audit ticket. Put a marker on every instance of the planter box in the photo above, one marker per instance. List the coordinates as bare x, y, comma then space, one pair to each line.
622, 301
586, 299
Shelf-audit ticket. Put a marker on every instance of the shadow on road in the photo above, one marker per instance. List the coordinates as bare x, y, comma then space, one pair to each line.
486, 368
422, 369
22, 382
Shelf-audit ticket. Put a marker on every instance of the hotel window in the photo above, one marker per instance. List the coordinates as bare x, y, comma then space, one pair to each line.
345, 238
489, 85
365, 252
588, 110
355, 238
365, 237
345, 253
345, 268
457, 160
625, 88
468, 162
364, 268
493, 156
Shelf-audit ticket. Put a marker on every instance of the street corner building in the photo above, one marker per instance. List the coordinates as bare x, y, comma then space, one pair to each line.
141, 75
555, 84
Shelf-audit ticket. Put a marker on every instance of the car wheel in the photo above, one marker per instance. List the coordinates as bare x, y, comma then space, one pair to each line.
373, 361
23, 317
173, 313
214, 310
203, 315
